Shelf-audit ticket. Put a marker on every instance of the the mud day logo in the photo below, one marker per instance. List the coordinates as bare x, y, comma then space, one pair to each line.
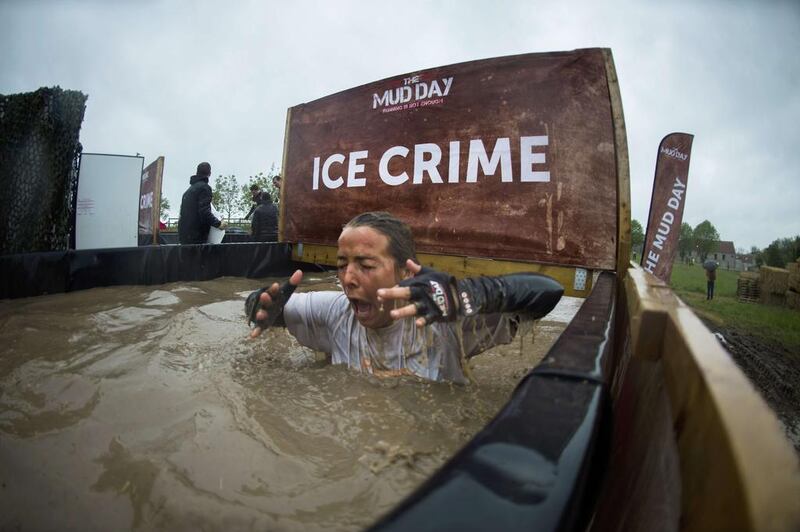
413, 93
674, 153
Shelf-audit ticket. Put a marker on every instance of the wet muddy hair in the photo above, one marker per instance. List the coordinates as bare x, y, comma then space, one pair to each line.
401, 241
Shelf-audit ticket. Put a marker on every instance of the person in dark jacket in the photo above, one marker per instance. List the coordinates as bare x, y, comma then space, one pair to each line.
711, 276
265, 220
255, 192
196, 217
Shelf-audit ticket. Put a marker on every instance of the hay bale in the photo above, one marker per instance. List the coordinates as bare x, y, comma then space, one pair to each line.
773, 281
792, 300
775, 300
794, 276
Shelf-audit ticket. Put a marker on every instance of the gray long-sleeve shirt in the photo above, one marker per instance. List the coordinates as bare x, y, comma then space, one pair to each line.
325, 321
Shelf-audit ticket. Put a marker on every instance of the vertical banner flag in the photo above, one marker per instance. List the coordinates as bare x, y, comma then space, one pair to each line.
150, 199
666, 204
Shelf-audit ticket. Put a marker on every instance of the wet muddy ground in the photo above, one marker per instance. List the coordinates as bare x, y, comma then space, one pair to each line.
148, 408
773, 369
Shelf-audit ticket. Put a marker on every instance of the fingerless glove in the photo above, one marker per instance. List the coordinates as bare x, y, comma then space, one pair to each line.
439, 297
253, 304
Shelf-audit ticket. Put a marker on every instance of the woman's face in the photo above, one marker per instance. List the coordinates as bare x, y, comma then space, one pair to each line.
365, 265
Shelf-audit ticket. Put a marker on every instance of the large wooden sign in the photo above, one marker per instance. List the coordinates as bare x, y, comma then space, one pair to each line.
510, 158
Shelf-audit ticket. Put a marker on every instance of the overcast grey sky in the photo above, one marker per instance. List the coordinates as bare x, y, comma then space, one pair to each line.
212, 80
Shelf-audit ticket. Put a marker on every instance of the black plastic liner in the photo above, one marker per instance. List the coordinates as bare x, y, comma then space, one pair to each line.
171, 237
33, 274
538, 464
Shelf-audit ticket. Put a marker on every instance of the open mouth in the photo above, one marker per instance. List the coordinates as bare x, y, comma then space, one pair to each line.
362, 308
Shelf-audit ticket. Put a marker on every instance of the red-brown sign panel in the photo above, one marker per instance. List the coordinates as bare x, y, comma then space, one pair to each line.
666, 204
150, 198
511, 157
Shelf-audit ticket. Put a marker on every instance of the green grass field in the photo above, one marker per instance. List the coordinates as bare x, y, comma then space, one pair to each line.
776, 324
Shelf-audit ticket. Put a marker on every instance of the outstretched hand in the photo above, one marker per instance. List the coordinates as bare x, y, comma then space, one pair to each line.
429, 299
267, 300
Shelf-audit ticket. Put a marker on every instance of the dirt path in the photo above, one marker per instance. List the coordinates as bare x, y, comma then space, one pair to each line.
773, 369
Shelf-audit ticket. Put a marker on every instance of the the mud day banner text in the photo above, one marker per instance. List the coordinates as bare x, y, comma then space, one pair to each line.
511, 157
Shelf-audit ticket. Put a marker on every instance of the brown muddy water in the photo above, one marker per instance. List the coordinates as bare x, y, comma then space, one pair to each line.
149, 408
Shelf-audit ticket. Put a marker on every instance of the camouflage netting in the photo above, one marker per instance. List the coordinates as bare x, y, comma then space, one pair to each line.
38, 172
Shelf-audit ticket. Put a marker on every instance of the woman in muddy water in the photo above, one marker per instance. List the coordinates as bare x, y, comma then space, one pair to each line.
396, 317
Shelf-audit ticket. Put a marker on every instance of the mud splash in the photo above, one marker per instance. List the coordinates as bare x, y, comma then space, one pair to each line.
142, 407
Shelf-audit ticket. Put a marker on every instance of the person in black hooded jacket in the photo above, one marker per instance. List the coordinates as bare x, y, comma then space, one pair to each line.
265, 220
196, 217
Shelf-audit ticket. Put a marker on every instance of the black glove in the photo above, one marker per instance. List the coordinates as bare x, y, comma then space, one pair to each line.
253, 304
439, 297
434, 294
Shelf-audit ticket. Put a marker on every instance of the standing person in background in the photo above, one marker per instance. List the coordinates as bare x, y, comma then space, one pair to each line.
276, 182
196, 217
711, 276
265, 219
255, 191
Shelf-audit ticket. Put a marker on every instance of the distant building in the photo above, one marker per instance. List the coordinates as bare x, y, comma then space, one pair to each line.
724, 254
745, 262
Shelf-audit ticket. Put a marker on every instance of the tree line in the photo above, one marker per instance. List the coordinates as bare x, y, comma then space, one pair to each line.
781, 252
704, 238
231, 198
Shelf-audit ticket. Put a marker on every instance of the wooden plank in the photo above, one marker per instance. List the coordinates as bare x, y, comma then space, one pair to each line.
623, 178
282, 216
738, 470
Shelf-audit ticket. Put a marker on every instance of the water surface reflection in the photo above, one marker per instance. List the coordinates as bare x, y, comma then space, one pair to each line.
142, 407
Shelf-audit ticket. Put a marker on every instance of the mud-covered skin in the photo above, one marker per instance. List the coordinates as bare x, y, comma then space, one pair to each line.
364, 266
